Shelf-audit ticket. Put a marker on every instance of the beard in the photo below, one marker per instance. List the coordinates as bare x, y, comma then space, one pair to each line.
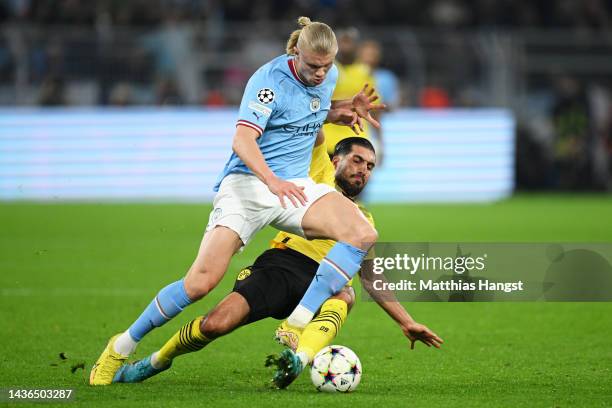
351, 190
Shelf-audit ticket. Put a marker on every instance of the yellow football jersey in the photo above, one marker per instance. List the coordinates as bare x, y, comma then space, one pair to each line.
351, 79
321, 171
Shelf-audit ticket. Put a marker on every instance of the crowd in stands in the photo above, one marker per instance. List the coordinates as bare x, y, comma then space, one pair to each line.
583, 14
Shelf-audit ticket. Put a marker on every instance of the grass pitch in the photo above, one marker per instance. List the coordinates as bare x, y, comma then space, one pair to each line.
72, 275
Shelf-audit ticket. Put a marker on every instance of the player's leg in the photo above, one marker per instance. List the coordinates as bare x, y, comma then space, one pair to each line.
229, 314
323, 328
289, 336
215, 252
318, 333
260, 291
326, 325
212, 261
333, 216
214, 255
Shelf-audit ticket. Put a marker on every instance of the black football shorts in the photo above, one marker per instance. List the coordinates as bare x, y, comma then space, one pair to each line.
274, 285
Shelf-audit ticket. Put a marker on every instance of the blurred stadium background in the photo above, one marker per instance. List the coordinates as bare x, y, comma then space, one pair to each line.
106, 67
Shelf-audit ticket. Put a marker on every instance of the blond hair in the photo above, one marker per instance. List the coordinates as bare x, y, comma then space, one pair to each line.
313, 36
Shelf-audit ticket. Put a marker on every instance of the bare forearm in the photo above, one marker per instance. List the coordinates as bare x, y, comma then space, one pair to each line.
245, 146
342, 104
397, 312
384, 298
387, 301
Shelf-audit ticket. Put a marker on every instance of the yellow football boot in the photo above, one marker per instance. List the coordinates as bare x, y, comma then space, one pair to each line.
287, 335
108, 363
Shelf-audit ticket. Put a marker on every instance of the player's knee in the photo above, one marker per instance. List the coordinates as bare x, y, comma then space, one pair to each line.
199, 283
364, 235
370, 235
215, 325
197, 290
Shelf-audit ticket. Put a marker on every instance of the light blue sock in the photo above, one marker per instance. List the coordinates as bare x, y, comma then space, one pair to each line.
338, 267
169, 302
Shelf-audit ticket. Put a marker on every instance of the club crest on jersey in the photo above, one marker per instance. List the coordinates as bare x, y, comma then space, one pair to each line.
315, 104
265, 95
245, 273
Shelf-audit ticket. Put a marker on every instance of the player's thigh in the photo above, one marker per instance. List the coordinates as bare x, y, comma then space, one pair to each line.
243, 204
335, 217
216, 250
229, 314
269, 284
290, 219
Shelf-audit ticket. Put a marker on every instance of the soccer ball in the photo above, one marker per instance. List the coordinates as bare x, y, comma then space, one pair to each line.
336, 369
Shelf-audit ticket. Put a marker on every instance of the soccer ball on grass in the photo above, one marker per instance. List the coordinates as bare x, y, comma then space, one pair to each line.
336, 369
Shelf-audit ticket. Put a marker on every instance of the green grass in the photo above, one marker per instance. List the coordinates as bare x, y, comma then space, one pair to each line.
73, 275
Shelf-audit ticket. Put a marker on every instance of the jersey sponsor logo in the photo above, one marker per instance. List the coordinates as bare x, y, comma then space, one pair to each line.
245, 273
265, 95
306, 130
315, 104
258, 107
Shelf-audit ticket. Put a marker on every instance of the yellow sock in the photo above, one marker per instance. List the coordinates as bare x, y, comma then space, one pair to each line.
187, 340
323, 328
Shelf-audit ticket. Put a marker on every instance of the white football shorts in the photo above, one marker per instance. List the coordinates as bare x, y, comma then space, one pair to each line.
245, 205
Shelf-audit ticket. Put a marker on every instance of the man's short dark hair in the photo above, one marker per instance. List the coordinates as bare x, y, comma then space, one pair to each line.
345, 146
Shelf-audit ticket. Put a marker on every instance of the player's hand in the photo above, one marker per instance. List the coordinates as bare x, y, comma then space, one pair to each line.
363, 103
419, 332
286, 189
345, 117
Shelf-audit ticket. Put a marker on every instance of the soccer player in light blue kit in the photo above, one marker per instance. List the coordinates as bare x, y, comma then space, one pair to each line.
265, 182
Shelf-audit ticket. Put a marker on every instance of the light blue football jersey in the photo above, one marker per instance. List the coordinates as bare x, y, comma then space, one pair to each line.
287, 114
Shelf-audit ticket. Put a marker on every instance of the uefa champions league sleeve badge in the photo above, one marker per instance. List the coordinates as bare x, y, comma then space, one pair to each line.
265, 95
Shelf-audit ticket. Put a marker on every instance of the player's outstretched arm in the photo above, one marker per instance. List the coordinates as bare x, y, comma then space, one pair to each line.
388, 302
245, 146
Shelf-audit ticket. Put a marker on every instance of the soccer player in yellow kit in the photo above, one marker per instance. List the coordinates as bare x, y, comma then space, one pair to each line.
352, 74
276, 282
